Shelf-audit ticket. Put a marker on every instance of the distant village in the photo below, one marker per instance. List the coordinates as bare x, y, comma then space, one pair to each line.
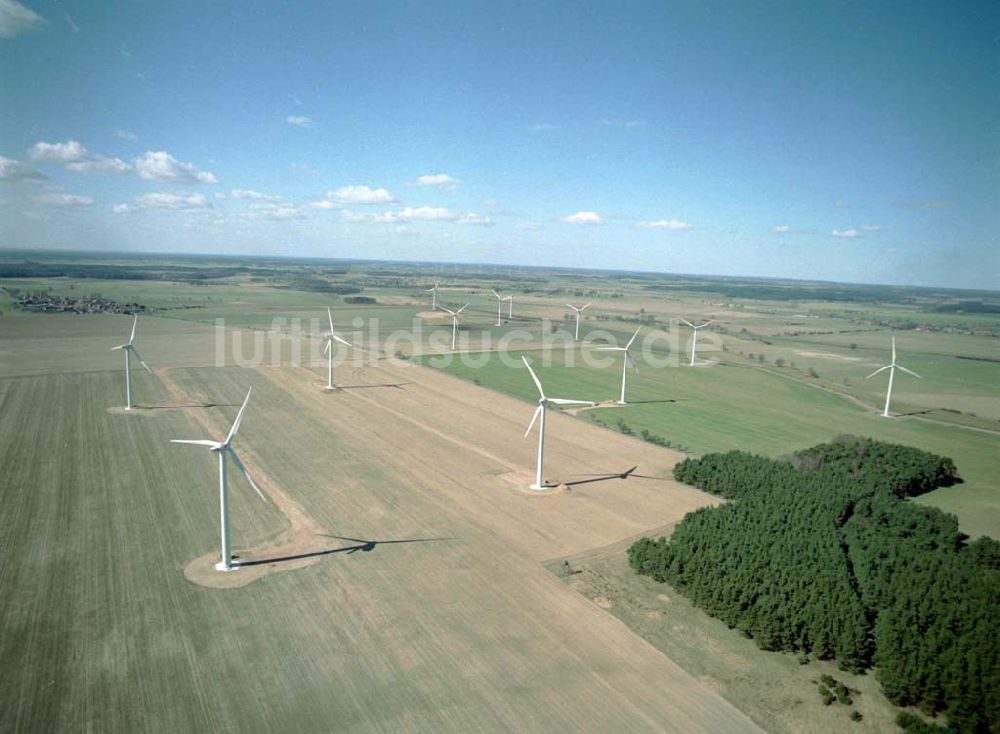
49, 303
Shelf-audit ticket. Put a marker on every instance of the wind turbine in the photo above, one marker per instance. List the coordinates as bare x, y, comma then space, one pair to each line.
500, 301
621, 400
543, 403
694, 341
434, 295
129, 349
223, 449
579, 310
892, 367
330, 339
454, 322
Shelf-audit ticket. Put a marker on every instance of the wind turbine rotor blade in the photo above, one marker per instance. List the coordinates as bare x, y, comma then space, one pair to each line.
496, 294
534, 417
880, 369
120, 346
462, 309
329, 314
909, 372
448, 310
630, 359
136, 353
570, 305
534, 377
587, 304
135, 321
633, 338
239, 417
327, 347
342, 341
685, 321
609, 349
894, 350
246, 474
563, 401
197, 442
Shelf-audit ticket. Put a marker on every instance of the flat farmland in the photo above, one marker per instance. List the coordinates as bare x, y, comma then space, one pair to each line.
733, 406
460, 630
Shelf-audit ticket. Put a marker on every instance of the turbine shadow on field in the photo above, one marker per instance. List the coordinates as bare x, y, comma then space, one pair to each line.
363, 545
397, 385
627, 474
650, 402
180, 406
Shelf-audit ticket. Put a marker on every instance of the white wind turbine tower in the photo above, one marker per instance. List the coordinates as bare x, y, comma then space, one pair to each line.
454, 322
330, 339
130, 349
500, 301
694, 338
540, 411
892, 367
223, 449
434, 295
578, 311
621, 400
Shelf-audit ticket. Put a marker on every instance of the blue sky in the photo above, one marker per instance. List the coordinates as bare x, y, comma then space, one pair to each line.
840, 141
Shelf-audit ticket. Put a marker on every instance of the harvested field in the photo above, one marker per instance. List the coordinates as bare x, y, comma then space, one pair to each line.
426, 609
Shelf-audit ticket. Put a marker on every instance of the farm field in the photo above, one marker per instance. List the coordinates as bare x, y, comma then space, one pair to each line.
733, 406
462, 631
466, 623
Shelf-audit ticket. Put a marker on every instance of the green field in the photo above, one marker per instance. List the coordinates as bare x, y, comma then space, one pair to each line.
732, 406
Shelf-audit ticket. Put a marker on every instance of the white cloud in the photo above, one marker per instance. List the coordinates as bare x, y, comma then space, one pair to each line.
248, 194
69, 152
72, 25
848, 233
675, 225
436, 179
98, 164
68, 201
161, 166
541, 127
428, 214
76, 157
583, 218
126, 135
418, 214
300, 121
360, 195
787, 229
387, 217
15, 19
325, 204
11, 170
121, 208
871, 228
167, 200
529, 226
275, 212
478, 219
841, 204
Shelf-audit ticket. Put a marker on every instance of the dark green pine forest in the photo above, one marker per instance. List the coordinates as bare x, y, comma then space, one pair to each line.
823, 554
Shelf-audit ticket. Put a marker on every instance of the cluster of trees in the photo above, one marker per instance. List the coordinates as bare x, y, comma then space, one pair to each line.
822, 555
